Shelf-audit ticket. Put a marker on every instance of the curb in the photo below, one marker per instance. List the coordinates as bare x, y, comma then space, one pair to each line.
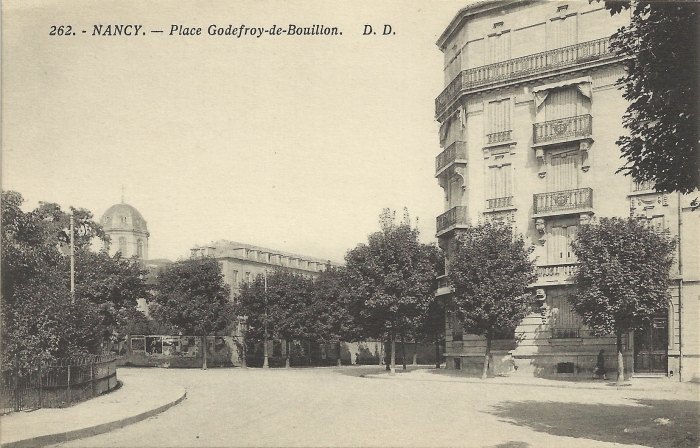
606, 386
51, 439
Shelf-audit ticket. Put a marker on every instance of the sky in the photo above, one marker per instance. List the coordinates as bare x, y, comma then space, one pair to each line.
294, 143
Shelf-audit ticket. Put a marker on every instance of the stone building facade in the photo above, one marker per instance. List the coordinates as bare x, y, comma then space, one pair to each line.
528, 122
243, 262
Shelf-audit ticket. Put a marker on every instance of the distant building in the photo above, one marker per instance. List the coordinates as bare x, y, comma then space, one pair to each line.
127, 230
243, 262
128, 234
528, 119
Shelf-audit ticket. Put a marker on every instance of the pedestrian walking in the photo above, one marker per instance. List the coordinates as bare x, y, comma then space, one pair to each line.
600, 366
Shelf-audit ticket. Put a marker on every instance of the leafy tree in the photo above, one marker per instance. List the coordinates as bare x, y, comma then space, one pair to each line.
283, 304
392, 280
622, 277
490, 270
662, 46
39, 322
333, 315
113, 284
191, 295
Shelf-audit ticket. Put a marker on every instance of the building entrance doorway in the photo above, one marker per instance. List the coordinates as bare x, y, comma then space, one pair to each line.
651, 347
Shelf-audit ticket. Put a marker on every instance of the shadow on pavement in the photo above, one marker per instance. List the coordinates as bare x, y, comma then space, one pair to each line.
655, 423
360, 371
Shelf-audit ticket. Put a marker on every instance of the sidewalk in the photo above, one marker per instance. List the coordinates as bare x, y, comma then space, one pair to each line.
141, 396
691, 390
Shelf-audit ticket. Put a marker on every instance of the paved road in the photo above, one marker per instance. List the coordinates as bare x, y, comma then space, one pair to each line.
332, 407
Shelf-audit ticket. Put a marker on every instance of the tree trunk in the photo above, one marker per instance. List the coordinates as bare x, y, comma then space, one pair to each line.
286, 361
204, 353
244, 351
438, 358
403, 351
340, 350
485, 372
392, 369
620, 360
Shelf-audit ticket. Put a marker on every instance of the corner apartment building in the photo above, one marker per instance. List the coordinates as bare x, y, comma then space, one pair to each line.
528, 122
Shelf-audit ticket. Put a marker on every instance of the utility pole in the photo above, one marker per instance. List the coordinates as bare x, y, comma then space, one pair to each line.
72, 262
265, 363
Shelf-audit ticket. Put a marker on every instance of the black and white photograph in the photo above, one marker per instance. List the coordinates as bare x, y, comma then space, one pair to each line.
350, 223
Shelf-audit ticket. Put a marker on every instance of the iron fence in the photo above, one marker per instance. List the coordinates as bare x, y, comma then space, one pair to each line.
58, 383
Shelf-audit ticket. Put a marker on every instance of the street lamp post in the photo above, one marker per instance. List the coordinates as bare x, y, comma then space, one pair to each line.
265, 363
72, 262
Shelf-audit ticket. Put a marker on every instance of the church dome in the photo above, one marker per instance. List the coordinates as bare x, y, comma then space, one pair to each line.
123, 217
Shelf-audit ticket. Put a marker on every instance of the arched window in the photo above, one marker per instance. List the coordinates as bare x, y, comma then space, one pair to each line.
122, 245
139, 248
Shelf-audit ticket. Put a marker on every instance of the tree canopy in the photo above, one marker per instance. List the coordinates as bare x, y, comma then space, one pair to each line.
622, 277
661, 47
39, 322
490, 271
191, 295
392, 278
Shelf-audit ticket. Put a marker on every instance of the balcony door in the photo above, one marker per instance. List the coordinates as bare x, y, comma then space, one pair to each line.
563, 171
561, 233
562, 32
651, 347
562, 103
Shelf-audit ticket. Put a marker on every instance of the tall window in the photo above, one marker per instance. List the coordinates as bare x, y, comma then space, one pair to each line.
235, 278
563, 171
454, 193
564, 317
247, 277
562, 103
139, 248
498, 47
562, 32
500, 182
561, 233
499, 116
122, 245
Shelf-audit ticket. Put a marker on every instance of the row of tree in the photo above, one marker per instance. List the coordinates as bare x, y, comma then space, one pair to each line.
385, 291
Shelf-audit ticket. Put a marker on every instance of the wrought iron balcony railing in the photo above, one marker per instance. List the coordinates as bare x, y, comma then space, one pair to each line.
562, 201
556, 270
498, 137
456, 151
499, 202
522, 67
453, 217
580, 126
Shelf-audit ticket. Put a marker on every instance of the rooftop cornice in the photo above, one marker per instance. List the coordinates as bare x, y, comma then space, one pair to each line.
472, 10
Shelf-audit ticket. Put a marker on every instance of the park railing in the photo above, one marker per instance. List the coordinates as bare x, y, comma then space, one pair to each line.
58, 383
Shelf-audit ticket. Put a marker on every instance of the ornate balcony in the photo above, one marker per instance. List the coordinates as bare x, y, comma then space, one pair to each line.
563, 202
499, 202
561, 130
443, 285
498, 137
512, 70
451, 219
555, 274
455, 153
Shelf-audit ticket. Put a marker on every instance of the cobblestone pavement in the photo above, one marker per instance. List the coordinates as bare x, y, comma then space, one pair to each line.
338, 407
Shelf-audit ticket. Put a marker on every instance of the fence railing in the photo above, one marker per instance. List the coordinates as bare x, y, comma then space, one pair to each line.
559, 201
499, 202
498, 137
580, 126
454, 216
557, 270
58, 383
456, 151
512, 69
